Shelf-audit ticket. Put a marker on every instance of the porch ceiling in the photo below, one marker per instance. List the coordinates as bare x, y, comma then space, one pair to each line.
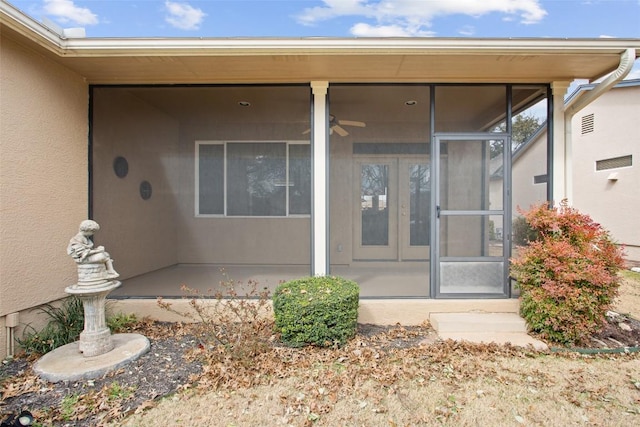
296, 67
239, 60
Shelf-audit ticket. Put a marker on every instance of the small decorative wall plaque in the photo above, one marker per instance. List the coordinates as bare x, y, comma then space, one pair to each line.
120, 166
145, 190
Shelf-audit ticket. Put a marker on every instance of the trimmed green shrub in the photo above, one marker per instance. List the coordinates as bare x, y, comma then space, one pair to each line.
568, 276
321, 311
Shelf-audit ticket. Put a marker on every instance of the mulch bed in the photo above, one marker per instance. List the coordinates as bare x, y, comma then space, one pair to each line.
167, 369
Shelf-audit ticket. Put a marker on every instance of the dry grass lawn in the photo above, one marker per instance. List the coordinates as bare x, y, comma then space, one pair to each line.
505, 391
447, 384
629, 300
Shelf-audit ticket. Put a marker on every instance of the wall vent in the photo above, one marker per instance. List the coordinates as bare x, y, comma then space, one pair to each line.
540, 179
614, 163
587, 123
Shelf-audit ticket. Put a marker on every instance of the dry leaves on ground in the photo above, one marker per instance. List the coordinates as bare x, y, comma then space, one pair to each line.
382, 371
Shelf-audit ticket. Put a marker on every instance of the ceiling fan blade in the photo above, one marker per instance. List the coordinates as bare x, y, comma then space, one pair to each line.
340, 131
352, 123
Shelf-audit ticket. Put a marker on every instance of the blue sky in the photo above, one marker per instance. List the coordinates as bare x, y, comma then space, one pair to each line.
343, 18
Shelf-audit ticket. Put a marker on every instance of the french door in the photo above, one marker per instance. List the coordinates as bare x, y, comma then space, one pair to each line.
392, 208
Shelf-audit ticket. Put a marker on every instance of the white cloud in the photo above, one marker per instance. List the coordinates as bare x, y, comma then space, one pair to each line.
366, 30
413, 18
66, 11
183, 15
467, 31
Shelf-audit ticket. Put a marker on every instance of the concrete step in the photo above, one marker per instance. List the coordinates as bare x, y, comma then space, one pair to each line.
499, 328
518, 339
477, 322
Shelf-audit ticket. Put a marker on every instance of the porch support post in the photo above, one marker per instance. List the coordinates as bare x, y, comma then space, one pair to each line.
320, 153
561, 155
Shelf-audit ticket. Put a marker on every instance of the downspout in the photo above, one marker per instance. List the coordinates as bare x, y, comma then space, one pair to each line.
626, 63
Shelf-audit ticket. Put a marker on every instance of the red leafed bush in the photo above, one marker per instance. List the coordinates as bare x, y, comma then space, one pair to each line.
567, 275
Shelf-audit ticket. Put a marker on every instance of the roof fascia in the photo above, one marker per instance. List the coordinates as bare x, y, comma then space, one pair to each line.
324, 46
29, 28
590, 86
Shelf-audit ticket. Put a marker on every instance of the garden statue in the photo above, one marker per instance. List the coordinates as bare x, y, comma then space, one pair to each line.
96, 278
97, 351
94, 264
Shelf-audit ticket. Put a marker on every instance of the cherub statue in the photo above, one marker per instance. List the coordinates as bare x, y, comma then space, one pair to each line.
82, 251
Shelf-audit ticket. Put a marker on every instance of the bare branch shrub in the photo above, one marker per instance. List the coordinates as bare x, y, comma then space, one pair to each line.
232, 322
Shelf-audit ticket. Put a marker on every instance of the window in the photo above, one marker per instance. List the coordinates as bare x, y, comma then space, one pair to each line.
614, 163
253, 178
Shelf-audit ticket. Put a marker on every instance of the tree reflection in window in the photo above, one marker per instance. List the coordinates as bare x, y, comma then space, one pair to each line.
374, 185
257, 182
420, 203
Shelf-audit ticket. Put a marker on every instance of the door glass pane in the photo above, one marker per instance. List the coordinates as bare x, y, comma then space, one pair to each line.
470, 235
256, 179
465, 173
496, 174
420, 201
374, 198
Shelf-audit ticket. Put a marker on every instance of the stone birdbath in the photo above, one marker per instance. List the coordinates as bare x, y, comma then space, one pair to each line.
98, 351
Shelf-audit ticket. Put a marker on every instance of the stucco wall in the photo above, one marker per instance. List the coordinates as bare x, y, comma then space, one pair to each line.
139, 234
529, 164
616, 132
614, 204
43, 171
235, 240
147, 235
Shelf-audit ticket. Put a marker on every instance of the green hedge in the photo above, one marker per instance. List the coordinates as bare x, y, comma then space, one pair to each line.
320, 311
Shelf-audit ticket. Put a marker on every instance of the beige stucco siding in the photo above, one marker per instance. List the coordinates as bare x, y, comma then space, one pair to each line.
43, 171
616, 132
531, 163
139, 234
160, 146
235, 240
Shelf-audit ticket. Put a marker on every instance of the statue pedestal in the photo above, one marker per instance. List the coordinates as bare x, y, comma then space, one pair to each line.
97, 352
95, 339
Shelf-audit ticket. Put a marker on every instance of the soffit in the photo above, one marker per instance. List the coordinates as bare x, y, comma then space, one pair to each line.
388, 67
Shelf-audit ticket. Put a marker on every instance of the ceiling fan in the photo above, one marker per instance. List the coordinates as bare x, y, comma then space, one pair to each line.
335, 125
